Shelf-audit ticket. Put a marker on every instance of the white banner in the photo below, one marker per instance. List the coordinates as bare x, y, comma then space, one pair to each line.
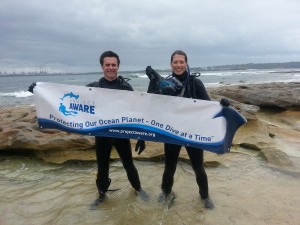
136, 115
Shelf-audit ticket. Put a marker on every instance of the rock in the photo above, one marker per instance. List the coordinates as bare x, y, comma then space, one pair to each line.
248, 111
20, 133
279, 95
276, 157
272, 132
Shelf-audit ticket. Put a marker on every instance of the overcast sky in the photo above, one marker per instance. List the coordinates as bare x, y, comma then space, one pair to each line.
70, 35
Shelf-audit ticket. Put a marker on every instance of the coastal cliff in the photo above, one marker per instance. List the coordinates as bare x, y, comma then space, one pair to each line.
272, 130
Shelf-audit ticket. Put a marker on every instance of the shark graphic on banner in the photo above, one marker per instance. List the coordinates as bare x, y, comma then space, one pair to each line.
137, 115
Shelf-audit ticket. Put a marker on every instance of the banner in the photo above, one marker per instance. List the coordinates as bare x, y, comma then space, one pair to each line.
136, 115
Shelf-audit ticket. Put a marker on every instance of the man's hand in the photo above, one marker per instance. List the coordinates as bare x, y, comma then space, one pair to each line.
140, 146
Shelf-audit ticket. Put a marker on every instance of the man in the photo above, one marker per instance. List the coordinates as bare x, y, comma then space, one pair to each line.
110, 65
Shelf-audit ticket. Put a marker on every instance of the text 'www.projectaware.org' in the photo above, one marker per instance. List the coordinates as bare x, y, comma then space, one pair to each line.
132, 132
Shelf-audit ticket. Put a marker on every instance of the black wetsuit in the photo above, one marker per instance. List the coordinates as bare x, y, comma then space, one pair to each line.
194, 89
123, 146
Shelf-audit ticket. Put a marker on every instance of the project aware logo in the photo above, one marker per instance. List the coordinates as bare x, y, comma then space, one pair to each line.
74, 105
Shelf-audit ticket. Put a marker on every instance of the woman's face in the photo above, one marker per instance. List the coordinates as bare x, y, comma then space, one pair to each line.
178, 64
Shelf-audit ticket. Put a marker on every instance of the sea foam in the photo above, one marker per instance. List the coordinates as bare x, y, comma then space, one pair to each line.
17, 94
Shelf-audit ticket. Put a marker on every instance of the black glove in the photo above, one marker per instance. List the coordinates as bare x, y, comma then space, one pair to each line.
140, 146
224, 102
150, 72
31, 87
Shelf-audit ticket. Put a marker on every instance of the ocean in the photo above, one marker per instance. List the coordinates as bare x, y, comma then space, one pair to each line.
13, 88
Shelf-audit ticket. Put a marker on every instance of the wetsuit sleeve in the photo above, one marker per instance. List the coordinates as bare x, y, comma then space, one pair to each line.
152, 87
201, 92
129, 87
94, 84
124, 85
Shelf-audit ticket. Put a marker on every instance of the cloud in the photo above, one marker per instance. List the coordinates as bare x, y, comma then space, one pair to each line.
70, 35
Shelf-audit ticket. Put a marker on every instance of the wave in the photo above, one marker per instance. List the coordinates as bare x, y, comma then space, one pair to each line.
145, 76
235, 73
212, 73
17, 94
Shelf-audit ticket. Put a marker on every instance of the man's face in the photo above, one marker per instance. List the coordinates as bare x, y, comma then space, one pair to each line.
110, 68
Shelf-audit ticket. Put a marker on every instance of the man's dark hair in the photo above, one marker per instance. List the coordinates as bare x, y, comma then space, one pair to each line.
179, 52
109, 54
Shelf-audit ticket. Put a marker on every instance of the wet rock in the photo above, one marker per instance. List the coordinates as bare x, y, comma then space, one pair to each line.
276, 157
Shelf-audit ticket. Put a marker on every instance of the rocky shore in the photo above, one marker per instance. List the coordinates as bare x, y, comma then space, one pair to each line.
272, 130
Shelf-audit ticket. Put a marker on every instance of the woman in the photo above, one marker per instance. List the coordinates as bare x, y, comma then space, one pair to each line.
187, 87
